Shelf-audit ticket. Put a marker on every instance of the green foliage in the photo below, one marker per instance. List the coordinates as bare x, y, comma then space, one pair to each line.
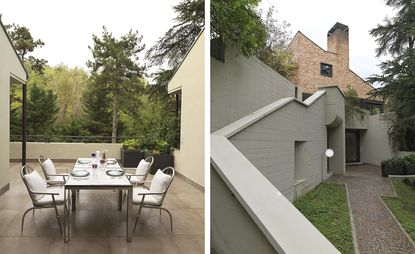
398, 89
351, 103
403, 206
116, 71
237, 23
327, 209
395, 162
397, 34
396, 37
131, 144
274, 53
41, 110
176, 42
24, 43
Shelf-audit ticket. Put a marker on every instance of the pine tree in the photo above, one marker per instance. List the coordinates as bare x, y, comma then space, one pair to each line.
115, 70
41, 110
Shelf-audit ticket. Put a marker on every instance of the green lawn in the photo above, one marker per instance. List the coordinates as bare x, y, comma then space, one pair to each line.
326, 207
403, 206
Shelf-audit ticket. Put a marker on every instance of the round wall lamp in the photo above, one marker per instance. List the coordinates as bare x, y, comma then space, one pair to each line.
329, 153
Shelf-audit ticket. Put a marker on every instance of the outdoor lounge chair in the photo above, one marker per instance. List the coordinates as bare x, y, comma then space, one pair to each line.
154, 196
41, 196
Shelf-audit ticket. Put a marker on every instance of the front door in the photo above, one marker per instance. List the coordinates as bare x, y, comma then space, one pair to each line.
352, 146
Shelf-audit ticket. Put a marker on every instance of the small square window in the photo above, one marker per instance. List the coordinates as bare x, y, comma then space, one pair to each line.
326, 70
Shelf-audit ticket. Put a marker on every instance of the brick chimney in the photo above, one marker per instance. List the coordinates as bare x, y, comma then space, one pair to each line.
338, 42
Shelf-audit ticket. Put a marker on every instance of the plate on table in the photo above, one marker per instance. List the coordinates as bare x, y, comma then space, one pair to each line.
83, 161
80, 173
113, 172
111, 161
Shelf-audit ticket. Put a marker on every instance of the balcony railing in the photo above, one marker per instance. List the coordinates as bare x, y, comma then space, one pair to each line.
69, 139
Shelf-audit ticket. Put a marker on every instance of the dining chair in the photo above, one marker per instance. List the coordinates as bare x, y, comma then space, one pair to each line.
49, 170
141, 172
153, 197
41, 195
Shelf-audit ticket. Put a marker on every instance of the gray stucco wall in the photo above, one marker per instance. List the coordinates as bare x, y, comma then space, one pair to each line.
270, 144
374, 142
233, 230
242, 85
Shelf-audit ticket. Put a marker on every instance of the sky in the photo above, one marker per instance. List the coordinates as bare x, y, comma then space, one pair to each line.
66, 27
315, 18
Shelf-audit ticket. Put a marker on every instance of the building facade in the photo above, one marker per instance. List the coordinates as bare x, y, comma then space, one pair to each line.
318, 67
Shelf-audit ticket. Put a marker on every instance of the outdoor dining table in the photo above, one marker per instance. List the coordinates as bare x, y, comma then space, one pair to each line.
98, 179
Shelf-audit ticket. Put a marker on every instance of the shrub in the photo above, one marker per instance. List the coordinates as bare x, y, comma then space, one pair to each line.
131, 144
395, 162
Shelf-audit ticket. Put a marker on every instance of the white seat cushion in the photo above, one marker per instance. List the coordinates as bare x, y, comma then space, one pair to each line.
148, 200
142, 169
36, 184
136, 180
159, 183
47, 199
50, 170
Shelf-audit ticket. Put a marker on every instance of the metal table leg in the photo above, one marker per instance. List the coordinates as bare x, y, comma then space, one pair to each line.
129, 214
120, 199
74, 200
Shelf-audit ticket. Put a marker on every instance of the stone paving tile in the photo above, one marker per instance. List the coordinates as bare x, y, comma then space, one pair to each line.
376, 230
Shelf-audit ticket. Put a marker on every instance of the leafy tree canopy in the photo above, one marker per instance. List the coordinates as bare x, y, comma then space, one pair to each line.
24, 44
237, 23
115, 69
397, 79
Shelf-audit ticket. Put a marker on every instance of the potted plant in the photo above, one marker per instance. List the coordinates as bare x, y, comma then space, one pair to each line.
131, 155
394, 166
163, 157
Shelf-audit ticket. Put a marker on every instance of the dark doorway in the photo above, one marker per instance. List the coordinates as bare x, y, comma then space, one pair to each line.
352, 146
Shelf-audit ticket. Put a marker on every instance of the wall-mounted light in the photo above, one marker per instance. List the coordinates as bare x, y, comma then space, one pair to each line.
329, 153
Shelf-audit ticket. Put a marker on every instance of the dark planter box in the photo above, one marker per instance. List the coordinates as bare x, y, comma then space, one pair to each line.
131, 158
161, 161
410, 170
388, 170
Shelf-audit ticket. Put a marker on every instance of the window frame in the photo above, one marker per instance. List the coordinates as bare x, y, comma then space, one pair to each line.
330, 75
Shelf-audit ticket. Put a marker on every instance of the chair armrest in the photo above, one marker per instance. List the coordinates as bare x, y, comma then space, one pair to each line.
151, 193
46, 193
50, 182
58, 174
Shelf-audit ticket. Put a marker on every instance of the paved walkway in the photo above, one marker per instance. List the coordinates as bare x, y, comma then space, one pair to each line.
376, 230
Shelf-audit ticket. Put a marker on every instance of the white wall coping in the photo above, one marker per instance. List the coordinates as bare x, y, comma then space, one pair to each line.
283, 225
235, 127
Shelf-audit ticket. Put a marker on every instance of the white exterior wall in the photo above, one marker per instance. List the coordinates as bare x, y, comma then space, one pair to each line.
10, 66
242, 85
374, 142
189, 79
62, 151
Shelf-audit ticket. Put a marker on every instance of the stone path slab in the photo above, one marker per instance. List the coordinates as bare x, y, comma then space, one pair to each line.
376, 229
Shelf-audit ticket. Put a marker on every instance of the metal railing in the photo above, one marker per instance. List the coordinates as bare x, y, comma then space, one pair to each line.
69, 139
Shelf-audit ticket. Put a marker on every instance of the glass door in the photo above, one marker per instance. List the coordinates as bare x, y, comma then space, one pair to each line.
352, 146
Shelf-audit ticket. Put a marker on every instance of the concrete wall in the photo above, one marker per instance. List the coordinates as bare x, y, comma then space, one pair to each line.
233, 230
269, 144
189, 79
10, 70
355, 122
242, 85
65, 151
374, 142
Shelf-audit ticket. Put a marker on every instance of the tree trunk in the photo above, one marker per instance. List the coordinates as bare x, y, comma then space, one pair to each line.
114, 120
